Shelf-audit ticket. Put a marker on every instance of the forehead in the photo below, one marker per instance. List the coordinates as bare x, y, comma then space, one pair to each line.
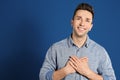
84, 13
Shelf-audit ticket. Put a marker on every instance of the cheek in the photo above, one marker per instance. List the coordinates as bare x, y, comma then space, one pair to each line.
74, 25
89, 28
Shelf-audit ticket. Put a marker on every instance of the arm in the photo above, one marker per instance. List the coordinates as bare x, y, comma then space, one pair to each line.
49, 65
48, 70
105, 68
93, 76
60, 74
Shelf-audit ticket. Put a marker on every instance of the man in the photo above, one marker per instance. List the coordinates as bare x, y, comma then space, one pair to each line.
78, 57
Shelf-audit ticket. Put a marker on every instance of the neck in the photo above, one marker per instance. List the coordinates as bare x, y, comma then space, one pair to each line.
79, 41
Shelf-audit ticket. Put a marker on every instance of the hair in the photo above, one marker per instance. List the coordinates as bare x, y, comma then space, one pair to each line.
84, 6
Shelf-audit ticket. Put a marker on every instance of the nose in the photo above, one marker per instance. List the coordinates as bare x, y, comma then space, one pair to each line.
82, 23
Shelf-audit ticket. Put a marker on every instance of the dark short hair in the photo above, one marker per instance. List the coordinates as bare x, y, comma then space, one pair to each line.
84, 6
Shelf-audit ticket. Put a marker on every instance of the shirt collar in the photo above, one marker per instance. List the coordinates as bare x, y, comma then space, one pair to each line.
71, 43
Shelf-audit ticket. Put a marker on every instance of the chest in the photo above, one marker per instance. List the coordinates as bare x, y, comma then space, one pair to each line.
64, 54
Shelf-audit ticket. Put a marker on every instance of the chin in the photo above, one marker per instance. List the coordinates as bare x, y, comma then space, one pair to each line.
81, 35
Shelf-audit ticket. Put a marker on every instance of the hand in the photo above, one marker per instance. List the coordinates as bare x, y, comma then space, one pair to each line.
61, 73
69, 69
80, 65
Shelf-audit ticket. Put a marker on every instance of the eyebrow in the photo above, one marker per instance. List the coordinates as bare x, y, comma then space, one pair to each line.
86, 18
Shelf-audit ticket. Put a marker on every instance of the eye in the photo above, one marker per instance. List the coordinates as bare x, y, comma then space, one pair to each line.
78, 18
88, 20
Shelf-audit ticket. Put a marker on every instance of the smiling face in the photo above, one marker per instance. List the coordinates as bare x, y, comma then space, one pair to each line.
82, 23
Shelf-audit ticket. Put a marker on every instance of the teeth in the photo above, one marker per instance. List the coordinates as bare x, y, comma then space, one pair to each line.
80, 28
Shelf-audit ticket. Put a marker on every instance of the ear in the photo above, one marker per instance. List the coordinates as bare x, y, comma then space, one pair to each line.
90, 27
72, 22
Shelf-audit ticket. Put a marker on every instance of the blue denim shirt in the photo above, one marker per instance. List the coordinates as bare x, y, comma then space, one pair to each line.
59, 53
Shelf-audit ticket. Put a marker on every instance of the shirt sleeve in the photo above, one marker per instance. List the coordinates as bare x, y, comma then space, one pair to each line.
105, 67
49, 65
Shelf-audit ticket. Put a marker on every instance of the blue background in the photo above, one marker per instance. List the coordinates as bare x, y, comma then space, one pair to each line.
29, 27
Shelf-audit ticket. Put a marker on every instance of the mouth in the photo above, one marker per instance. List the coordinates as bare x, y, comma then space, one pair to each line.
81, 29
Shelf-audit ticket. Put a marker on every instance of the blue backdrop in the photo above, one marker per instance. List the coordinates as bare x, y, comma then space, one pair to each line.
29, 27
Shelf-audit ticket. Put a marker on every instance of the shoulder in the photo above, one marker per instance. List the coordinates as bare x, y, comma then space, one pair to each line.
97, 47
60, 44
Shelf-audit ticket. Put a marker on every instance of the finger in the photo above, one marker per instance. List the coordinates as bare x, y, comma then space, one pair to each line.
75, 58
72, 64
72, 60
84, 59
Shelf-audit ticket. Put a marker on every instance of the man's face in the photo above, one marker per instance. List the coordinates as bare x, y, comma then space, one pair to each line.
82, 23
